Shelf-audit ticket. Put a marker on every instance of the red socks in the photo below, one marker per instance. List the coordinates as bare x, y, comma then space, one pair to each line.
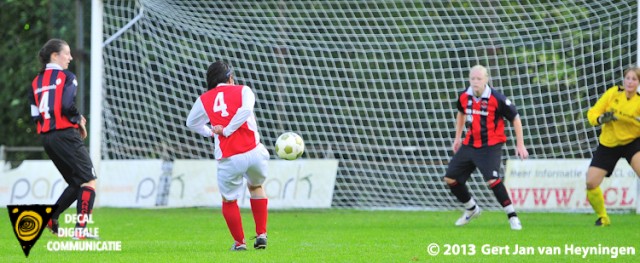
260, 214
84, 205
231, 213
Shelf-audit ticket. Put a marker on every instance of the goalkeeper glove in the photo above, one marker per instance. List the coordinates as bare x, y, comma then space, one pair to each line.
607, 117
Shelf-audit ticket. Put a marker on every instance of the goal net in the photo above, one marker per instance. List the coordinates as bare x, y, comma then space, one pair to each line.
370, 83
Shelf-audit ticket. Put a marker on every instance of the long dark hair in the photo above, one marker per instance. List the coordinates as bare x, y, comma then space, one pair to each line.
218, 72
54, 45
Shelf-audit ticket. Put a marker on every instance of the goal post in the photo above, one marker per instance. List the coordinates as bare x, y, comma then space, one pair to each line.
96, 82
370, 83
638, 42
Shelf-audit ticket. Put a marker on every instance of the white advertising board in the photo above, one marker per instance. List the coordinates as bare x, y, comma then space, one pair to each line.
560, 185
138, 183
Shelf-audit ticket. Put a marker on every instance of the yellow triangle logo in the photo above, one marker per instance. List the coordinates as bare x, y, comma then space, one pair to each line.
28, 222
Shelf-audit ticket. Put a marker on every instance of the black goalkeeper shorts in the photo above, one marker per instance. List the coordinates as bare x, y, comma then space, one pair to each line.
467, 159
70, 155
607, 157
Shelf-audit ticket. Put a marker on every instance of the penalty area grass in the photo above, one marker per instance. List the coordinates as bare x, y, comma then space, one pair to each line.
339, 235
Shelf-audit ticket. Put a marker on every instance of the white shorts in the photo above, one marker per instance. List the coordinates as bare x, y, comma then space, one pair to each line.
251, 165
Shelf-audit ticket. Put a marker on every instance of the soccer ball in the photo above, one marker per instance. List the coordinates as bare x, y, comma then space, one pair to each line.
289, 146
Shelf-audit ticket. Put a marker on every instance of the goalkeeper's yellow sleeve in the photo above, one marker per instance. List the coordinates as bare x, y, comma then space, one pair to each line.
601, 106
626, 127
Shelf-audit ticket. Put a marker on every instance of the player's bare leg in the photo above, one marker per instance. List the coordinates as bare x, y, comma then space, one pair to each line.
462, 194
635, 163
500, 191
259, 203
595, 176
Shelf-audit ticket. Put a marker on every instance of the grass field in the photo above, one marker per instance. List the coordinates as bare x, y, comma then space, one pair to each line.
200, 235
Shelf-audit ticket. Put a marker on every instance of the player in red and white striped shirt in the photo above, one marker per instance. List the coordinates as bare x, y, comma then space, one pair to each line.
229, 109
483, 110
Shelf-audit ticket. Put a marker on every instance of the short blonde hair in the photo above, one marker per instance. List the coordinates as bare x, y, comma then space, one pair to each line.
482, 68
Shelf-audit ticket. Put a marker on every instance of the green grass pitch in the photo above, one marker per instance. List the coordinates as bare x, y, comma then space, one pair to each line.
335, 235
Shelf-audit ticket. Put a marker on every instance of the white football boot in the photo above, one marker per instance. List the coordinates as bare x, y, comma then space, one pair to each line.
467, 216
515, 223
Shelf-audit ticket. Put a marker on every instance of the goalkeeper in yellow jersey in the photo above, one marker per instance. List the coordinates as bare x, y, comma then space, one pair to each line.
618, 111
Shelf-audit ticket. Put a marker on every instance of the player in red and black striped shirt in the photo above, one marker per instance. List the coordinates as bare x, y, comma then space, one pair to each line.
482, 110
62, 129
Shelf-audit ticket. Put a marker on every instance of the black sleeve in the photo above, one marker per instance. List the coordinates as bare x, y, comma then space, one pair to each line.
506, 107
68, 98
459, 104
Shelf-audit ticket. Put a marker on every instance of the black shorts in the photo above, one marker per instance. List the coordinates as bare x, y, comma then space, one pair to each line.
467, 159
606, 157
70, 155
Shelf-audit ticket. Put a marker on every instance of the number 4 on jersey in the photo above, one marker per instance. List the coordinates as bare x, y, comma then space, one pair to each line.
219, 105
44, 105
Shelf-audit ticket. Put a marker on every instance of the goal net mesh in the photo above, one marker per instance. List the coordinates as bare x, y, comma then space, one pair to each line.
370, 83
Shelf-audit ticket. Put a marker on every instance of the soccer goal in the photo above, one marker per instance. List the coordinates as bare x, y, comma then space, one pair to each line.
370, 83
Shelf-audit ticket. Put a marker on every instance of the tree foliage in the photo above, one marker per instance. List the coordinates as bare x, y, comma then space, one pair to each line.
26, 26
